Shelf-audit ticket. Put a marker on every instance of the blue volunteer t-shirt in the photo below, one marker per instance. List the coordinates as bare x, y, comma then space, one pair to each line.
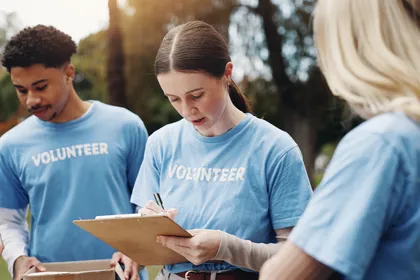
247, 181
70, 171
364, 218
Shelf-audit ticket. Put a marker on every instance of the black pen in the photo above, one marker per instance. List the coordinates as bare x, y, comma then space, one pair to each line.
158, 200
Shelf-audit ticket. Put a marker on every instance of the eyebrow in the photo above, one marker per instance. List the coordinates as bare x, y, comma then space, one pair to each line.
190, 91
194, 90
33, 84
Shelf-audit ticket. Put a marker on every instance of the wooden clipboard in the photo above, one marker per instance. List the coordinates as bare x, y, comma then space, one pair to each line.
135, 236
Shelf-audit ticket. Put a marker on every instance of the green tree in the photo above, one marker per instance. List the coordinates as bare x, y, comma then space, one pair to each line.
8, 101
90, 63
10, 25
304, 106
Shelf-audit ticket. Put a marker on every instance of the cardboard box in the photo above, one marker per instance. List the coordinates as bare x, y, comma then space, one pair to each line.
80, 270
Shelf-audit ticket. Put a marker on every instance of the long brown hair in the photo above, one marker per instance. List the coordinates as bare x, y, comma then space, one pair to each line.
197, 47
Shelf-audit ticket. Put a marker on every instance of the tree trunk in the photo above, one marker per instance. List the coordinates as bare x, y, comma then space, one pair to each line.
296, 113
266, 9
303, 131
115, 59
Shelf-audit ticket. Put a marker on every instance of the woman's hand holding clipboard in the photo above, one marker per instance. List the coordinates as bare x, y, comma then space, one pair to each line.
202, 247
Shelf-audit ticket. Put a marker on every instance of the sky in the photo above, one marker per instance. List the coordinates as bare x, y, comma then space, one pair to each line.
78, 18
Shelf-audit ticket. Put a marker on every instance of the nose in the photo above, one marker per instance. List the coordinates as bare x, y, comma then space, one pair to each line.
188, 109
32, 100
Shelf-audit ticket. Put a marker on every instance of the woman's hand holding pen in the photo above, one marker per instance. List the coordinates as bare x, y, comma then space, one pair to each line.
152, 208
202, 247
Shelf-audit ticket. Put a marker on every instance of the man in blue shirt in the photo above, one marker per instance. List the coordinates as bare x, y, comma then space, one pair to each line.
72, 159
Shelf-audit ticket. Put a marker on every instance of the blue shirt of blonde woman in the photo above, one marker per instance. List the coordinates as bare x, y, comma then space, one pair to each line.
248, 181
364, 218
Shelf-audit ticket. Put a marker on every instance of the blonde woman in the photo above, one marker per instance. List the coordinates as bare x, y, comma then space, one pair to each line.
364, 219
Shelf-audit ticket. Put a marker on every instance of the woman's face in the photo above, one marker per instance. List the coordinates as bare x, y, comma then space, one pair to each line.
198, 97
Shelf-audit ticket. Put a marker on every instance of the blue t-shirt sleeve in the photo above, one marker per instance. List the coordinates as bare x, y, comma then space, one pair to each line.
289, 188
349, 211
138, 138
12, 195
148, 178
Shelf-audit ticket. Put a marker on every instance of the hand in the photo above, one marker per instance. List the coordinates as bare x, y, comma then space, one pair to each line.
1, 245
202, 247
270, 270
131, 268
23, 264
152, 208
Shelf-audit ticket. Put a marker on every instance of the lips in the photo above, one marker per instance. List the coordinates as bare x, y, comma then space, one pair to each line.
199, 121
39, 112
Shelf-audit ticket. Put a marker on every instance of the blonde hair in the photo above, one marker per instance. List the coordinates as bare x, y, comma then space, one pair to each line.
369, 53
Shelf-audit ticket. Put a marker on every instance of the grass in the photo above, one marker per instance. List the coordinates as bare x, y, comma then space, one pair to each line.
153, 271
4, 274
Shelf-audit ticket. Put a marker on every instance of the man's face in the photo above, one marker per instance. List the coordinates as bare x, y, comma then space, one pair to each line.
43, 91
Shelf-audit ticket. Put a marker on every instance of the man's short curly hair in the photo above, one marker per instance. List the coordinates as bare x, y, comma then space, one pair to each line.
40, 44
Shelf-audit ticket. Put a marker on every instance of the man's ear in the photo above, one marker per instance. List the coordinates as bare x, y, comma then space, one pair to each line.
70, 71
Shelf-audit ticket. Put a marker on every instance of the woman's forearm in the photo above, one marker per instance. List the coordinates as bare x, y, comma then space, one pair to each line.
244, 253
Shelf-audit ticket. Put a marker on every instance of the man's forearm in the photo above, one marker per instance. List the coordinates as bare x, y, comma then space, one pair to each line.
14, 232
